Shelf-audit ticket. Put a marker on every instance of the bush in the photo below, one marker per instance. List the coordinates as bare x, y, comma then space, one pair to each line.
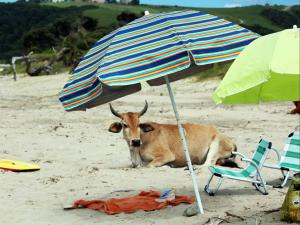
126, 17
62, 27
259, 29
39, 39
22, 22
283, 19
88, 23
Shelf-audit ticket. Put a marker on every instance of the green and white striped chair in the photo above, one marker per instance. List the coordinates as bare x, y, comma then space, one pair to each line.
289, 159
250, 174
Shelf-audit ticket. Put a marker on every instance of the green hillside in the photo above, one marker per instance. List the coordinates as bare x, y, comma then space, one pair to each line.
77, 25
106, 13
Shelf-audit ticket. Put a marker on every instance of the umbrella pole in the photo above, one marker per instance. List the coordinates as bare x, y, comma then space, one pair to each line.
185, 146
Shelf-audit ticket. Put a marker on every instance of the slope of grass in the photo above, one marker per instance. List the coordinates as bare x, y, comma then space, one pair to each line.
248, 16
106, 13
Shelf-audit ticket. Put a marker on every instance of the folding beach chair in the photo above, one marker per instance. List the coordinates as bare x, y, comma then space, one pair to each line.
249, 174
289, 159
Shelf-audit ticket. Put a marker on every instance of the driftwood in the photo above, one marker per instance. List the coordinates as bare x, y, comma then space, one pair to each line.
271, 211
233, 215
46, 66
215, 221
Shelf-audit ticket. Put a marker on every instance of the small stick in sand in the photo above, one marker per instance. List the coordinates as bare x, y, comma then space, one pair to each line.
233, 215
271, 211
257, 221
215, 221
69, 207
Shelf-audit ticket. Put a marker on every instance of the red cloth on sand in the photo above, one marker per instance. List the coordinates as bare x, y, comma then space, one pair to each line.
143, 201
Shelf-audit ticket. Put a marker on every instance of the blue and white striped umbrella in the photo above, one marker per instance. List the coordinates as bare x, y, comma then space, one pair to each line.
149, 48
155, 48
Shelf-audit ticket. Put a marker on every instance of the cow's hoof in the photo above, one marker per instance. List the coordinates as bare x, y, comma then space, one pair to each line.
187, 168
135, 166
150, 166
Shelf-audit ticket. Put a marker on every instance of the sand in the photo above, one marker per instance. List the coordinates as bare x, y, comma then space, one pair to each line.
81, 159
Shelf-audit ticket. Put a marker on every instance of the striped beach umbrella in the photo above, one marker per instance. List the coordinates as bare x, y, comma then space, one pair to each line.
156, 48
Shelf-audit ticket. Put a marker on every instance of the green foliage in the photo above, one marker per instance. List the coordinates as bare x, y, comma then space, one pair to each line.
39, 39
281, 18
259, 29
77, 44
296, 11
218, 70
62, 27
126, 17
88, 23
78, 25
35, 24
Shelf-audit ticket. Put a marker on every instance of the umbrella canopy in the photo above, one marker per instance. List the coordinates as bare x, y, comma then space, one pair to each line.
267, 70
155, 48
149, 48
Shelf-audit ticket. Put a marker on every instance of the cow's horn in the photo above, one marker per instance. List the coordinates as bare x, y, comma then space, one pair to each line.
113, 111
144, 109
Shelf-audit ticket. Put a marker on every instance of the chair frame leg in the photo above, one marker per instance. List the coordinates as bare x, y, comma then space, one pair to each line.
286, 177
212, 192
261, 187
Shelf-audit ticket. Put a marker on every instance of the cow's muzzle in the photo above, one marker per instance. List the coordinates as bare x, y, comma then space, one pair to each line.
136, 143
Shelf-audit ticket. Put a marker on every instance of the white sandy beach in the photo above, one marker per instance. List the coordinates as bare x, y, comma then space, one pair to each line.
79, 158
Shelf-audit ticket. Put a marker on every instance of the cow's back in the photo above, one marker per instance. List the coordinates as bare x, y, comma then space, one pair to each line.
164, 136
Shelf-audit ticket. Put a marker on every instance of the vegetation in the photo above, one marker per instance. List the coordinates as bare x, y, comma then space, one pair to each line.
48, 28
284, 19
218, 70
27, 26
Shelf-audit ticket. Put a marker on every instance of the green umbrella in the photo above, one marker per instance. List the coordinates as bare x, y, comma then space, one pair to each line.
267, 70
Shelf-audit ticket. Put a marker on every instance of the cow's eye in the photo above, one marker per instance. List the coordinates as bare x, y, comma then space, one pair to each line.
125, 125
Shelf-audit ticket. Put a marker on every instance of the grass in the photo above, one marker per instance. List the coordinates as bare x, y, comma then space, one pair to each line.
106, 13
20, 68
250, 15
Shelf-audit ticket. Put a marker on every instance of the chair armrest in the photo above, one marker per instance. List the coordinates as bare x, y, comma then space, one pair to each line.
277, 153
243, 158
239, 154
251, 162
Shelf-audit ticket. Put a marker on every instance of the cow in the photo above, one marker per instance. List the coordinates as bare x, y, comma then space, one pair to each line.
154, 144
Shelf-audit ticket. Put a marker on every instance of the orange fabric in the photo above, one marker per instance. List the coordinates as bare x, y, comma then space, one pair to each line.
143, 201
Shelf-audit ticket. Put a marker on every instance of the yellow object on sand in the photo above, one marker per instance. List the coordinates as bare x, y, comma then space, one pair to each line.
13, 165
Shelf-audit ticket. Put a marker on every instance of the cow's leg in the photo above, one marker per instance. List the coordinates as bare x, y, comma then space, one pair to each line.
162, 158
212, 155
135, 157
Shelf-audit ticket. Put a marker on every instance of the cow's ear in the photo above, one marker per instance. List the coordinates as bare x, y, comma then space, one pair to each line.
115, 127
146, 127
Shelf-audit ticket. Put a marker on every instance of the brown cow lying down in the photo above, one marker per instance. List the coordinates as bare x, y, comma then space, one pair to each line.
155, 144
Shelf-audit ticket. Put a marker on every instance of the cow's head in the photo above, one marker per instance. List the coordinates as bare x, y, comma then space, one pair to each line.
130, 123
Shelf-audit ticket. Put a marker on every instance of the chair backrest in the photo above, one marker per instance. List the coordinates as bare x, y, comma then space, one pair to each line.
259, 156
291, 155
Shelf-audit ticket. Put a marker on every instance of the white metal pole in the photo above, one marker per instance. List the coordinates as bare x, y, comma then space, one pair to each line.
185, 147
